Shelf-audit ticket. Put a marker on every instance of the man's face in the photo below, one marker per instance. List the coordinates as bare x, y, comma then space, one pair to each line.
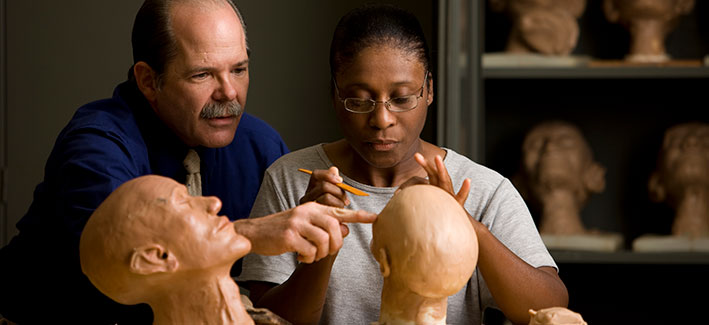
197, 235
204, 87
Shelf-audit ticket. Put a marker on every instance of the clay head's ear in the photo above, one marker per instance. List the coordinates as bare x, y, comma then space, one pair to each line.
152, 259
611, 10
595, 178
146, 78
383, 260
656, 188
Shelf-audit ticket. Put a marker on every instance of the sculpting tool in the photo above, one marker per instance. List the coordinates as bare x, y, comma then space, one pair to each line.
340, 185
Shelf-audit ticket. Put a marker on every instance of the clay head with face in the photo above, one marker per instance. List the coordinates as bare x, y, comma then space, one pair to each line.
150, 239
682, 177
648, 22
427, 250
542, 26
559, 173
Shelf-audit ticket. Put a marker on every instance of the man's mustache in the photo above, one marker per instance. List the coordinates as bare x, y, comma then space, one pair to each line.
221, 109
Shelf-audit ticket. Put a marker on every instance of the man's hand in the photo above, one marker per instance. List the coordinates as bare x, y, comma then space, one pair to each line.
312, 230
322, 189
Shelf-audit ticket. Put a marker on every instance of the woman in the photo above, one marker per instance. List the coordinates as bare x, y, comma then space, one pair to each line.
382, 87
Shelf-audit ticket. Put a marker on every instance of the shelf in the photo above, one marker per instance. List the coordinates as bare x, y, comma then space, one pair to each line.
629, 257
605, 72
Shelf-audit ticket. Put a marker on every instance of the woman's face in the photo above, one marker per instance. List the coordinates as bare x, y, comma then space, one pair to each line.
381, 137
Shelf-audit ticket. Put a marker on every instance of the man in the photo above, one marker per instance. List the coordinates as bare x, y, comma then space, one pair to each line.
186, 91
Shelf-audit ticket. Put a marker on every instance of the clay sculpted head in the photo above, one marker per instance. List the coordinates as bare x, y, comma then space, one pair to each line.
542, 26
559, 173
427, 250
151, 242
648, 22
682, 177
555, 316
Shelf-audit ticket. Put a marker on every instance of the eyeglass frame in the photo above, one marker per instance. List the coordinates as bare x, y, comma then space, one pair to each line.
387, 103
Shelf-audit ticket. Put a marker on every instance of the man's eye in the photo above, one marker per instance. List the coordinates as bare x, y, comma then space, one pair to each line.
239, 71
200, 75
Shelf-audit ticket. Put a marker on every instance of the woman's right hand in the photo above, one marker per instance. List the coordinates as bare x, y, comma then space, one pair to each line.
322, 188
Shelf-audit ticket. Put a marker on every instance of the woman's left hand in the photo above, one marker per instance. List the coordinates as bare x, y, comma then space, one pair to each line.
438, 176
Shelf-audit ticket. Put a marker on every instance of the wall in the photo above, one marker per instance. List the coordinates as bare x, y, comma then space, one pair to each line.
62, 54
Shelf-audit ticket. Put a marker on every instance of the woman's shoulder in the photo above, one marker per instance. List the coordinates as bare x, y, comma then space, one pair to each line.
312, 157
462, 166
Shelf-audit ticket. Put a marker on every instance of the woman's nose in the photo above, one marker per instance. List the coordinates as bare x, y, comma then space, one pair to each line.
381, 118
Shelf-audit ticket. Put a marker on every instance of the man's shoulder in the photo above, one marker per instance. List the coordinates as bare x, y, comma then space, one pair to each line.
253, 131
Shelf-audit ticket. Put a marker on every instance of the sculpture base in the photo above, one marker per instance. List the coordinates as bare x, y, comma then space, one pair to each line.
507, 60
660, 243
610, 242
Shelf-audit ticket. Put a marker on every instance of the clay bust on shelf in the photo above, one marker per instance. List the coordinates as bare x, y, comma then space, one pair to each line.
558, 175
541, 26
427, 250
555, 316
150, 242
648, 22
682, 178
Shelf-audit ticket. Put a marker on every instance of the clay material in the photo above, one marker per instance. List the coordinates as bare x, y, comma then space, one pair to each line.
427, 250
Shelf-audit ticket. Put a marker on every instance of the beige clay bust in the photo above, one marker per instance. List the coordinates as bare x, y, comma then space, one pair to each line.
648, 22
427, 250
682, 178
541, 26
555, 316
558, 175
150, 242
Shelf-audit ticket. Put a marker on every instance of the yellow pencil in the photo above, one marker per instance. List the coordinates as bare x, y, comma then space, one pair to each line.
340, 185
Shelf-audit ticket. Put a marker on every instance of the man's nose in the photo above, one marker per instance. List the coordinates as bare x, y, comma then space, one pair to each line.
225, 91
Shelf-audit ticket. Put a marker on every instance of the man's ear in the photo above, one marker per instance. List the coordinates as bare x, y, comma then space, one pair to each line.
152, 259
146, 78
383, 260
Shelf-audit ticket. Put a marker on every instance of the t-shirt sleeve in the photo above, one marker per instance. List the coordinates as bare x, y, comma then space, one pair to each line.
508, 218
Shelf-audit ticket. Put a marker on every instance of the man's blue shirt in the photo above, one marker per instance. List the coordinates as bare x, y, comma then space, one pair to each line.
111, 141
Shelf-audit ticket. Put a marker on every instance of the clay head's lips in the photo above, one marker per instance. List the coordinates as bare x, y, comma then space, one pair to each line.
224, 222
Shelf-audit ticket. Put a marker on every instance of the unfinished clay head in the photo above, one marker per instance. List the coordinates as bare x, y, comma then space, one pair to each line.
682, 177
559, 174
648, 22
151, 242
427, 250
555, 316
542, 26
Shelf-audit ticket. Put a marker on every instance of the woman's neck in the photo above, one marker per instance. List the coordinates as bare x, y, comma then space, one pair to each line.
350, 163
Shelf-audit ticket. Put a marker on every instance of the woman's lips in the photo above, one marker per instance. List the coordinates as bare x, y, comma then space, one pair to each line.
382, 145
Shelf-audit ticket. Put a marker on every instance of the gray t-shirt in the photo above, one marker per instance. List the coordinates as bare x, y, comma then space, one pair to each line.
354, 292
